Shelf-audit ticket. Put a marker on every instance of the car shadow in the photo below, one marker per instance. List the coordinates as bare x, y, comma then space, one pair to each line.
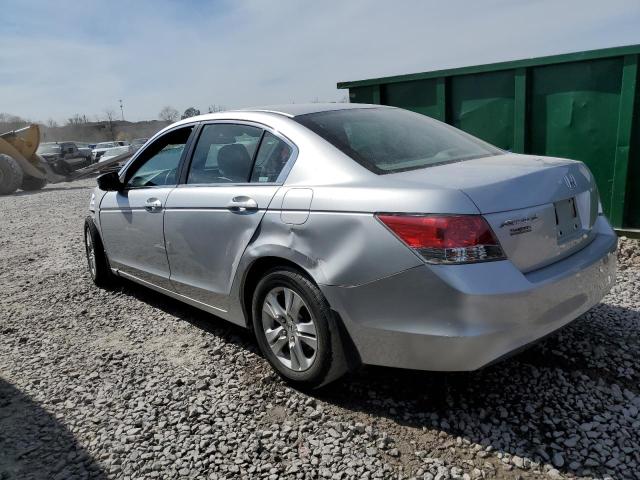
531, 405
205, 321
34, 444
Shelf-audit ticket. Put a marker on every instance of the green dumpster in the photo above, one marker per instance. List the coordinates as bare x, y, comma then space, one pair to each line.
579, 105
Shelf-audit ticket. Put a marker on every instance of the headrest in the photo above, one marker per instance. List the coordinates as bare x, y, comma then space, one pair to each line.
234, 162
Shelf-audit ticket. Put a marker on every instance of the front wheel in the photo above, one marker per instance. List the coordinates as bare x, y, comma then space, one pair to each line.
96, 258
296, 330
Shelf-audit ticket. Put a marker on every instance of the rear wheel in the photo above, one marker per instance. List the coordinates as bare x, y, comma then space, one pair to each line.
96, 257
296, 330
10, 175
30, 183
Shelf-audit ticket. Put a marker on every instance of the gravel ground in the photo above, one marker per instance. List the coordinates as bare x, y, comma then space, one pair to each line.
129, 384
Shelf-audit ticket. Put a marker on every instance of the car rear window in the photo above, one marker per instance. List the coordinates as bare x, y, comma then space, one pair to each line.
389, 140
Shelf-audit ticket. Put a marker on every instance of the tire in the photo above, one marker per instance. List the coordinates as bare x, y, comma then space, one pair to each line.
30, 183
328, 363
10, 175
97, 261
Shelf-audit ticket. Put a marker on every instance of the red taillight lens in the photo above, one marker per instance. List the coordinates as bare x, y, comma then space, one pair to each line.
446, 238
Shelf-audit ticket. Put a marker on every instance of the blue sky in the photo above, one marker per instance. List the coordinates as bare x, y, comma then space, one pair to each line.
58, 58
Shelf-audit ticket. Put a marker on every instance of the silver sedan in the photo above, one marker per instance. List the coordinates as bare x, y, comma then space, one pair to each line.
350, 234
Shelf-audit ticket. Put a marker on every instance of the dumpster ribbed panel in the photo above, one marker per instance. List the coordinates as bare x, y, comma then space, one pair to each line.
581, 105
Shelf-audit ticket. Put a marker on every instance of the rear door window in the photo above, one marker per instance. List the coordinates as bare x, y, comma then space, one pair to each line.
224, 154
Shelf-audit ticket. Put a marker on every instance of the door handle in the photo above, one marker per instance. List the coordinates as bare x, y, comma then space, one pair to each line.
153, 205
242, 204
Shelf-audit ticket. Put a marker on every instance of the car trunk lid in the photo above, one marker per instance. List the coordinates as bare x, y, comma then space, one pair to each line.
541, 209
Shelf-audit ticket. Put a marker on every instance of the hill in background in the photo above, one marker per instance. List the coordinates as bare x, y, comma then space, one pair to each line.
81, 130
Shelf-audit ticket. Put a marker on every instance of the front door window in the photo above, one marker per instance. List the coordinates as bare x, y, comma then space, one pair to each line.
158, 164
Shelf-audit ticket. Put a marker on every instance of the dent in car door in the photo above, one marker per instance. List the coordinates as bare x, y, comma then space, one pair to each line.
207, 229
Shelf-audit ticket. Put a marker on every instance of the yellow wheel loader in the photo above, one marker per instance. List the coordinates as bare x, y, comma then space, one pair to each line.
22, 168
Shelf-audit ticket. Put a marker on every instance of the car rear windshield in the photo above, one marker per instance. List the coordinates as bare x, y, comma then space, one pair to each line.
389, 140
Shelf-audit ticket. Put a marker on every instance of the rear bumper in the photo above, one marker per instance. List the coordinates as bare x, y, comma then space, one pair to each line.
462, 317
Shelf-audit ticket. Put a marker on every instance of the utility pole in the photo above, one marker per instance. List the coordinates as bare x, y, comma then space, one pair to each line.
121, 110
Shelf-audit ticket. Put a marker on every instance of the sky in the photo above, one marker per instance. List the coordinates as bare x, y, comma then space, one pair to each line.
60, 58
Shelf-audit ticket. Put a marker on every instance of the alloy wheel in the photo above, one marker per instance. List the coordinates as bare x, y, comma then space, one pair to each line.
289, 328
91, 253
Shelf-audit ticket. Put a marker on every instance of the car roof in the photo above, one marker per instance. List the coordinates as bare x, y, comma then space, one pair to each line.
295, 109
289, 111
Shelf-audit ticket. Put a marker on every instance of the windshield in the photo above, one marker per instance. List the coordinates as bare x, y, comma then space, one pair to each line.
105, 145
388, 140
49, 148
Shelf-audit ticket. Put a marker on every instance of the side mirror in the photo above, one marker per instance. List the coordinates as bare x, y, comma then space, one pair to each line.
110, 182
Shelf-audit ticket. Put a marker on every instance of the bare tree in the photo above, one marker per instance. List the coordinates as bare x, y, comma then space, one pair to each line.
76, 119
110, 116
168, 114
215, 108
11, 122
51, 123
190, 112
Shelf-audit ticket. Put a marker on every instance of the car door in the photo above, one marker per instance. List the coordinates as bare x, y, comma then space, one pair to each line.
235, 171
132, 220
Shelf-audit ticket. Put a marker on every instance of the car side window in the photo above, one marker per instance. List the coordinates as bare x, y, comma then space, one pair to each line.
158, 164
224, 154
271, 159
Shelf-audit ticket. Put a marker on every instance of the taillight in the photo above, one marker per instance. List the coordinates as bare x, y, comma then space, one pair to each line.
446, 238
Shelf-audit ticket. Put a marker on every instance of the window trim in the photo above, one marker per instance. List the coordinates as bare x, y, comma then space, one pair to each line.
282, 177
132, 163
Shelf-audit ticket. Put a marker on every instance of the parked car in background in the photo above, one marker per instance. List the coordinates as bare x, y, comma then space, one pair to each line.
137, 143
111, 153
86, 151
343, 234
65, 156
101, 147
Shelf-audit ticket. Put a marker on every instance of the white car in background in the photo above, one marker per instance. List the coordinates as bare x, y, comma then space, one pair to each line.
102, 147
111, 153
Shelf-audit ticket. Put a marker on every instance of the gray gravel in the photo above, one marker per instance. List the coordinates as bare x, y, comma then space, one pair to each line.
128, 384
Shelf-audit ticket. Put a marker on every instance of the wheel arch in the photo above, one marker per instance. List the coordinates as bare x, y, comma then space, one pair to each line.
255, 270
342, 344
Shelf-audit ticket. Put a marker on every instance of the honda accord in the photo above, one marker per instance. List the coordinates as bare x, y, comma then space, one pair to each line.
346, 234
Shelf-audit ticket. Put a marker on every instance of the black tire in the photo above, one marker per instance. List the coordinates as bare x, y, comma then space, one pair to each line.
330, 362
101, 274
30, 183
10, 175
